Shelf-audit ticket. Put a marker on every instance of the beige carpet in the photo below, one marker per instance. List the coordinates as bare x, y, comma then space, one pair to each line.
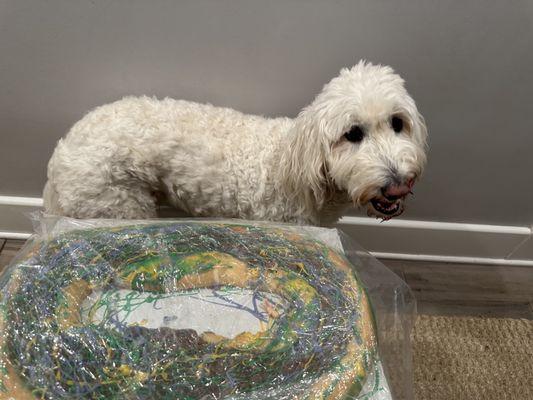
473, 358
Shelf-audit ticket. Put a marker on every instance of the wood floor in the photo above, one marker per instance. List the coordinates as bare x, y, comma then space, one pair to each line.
470, 290
440, 288
8, 249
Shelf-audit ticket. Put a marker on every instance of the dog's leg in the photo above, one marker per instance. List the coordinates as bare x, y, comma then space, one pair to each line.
123, 203
50, 200
113, 202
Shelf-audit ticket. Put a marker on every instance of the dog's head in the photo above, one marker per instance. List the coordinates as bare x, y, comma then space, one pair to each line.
362, 136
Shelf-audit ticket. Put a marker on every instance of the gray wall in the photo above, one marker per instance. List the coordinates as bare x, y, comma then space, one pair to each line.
468, 64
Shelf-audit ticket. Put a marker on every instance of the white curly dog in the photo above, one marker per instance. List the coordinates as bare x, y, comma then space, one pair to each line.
361, 142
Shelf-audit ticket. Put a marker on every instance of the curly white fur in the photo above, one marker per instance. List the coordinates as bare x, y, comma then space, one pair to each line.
212, 161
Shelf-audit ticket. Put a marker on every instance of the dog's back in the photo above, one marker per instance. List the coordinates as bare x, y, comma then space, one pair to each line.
115, 158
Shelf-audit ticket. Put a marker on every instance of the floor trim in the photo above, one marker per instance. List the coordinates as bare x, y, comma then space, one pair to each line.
414, 240
436, 225
21, 201
15, 235
454, 260
442, 241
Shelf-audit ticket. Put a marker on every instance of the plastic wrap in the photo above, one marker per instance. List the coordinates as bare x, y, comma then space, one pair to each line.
198, 309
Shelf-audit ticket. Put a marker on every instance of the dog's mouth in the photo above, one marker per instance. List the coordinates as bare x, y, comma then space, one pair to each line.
385, 208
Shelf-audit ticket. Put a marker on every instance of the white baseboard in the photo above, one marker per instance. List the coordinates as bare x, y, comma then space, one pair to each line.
14, 216
453, 259
442, 241
395, 239
21, 201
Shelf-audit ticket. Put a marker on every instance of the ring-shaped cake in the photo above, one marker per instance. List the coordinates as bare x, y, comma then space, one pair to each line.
320, 344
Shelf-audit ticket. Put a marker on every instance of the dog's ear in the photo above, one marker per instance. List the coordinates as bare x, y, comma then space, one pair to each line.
421, 134
421, 130
304, 162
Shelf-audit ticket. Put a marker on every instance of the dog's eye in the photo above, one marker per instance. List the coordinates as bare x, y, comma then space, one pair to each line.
397, 124
355, 134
